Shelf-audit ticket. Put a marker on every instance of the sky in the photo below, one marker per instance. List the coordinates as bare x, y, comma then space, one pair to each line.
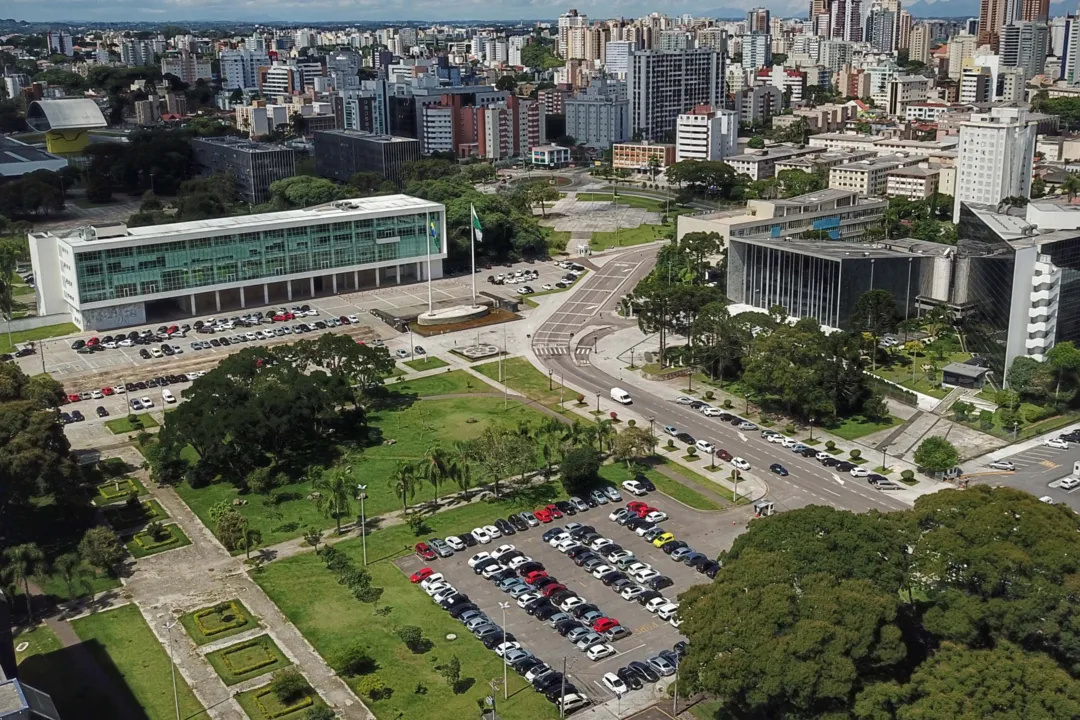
299, 11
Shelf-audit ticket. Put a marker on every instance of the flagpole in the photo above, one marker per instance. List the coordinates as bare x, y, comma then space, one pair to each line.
472, 250
434, 234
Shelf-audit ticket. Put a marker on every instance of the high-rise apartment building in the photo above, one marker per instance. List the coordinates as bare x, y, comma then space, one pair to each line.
881, 27
280, 80
617, 57
845, 20
60, 42
976, 85
961, 48
706, 134
1025, 45
757, 21
600, 115
994, 157
186, 66
253, 165
756, 50
1034, 10
919, 48
146, 112
663, 85
240, 68
993, 16
904, 39
571, 20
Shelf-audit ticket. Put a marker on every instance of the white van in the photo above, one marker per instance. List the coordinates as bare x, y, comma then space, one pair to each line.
621, 396
167, 396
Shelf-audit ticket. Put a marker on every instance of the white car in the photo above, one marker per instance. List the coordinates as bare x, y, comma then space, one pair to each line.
599, 543
667, 611
656, 603
656, 516
615, 684
502, 550
477, 558
684, 400
1002, 465
706, 447
601, 570
1069, 483
492, 569
789, 442
433, 579
631, 592
740, 463
553, 542
353, 319
126, 342
675, 620
97, 395
1047, 499
710, 411
634, 488
547, 286
570, 603
119, 389
501, 648
493, 531
1056, 443
528, 598
156, 352
859, 472
519, 561
566, 545
638, 567
481, 535
436, 588
822, 456
599, 652
618, 513
456, 544
444, 593
572, 703
147, 403
644, 576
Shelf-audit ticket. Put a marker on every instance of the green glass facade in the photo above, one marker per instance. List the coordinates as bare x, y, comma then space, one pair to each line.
260, 256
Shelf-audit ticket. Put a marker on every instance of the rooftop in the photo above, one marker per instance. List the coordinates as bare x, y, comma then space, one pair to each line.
69, 114
849, 137
776, 152
915, 171
833, 250
879, 163
241, 144
18, 158
966, 370
343, 210
369, 137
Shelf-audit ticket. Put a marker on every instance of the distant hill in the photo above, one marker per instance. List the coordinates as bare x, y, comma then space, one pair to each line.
942, 9
732, 13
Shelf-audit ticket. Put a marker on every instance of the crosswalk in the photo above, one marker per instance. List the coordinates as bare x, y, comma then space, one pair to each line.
580, 355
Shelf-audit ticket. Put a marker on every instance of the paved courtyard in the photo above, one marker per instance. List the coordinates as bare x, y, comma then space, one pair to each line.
591, 216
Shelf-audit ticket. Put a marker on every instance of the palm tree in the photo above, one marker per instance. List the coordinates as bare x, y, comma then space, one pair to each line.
1071, 186
461, 466
435, 467
75, 574
24, 562
251, 537
335, 494
577, 434
605, 432
403, 481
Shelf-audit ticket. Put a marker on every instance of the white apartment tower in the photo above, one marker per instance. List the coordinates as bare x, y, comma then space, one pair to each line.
995, 157
706, 134
240, 68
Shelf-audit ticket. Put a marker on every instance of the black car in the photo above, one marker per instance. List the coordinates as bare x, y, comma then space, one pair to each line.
565, 626
214, 342
585, 557
78, 344
646, 673
545, 612
670, 547
710, 570
590, 501
645, 482
542, 683
141, 385
504, 575
101, 412
562, 596
844, 466
484, 564
544, 582
77, 416
620, 584
611, 578
167, 349
567, 508
541, 605
582, 609
546, 537
144, 354
578, 533
686, 438
633, 522
163, 381
518, 522
226, 342
830, 462
453, 600
527, 664
646, 596
575, 552
456, 611
529, 567
468, 539
680, 648
496, 639
660, 582
735, 420
559, 690
23, 352
631, 678
507, 557
608, 550
505, 527
875, 478
152, 382
697, 561
65, 419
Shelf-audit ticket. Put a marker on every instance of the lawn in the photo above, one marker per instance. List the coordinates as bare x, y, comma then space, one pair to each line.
452, 383
900, 373
414, 429
520, 374
125, 516
557, 290
40, 640
143, 544
628, 237
427, 363
124, 643
701, 480
41, 333
118, 490
333, 621
262, 704
210, 624
121, 425
248, 659
855, 427
617, 473
557, 240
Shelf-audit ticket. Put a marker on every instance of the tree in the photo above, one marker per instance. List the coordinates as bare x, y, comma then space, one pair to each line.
288, 686
579, 469
451, 671
633, 444
413, 637
875, 314
304, 191
101, 549
461, 462
22, 562
936, 454
76, 575
335, 494
321, 712
502, 453
356, 660
1064, 361
230, 529
506, 82
404, 483
435, 467
756, 143
1070, 186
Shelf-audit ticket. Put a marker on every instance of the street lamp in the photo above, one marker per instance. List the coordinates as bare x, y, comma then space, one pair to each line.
811, 429
598, 403
506, 687
363, 519
550, 371
652, 420
172, 667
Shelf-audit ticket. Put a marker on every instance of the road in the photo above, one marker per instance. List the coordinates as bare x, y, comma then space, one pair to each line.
808, 483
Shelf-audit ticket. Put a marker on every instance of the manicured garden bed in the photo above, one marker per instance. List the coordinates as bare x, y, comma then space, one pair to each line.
118, 490
144, 544
217, 622
247, 659
427, 363
262, 704
123, 516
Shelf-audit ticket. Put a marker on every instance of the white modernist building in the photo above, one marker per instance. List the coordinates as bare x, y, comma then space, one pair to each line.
706, 134
114, 276
995, 157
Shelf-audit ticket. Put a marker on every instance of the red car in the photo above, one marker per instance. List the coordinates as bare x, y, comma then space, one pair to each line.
282, 317
543, 514
604, 624
424, 552
106, 391
535, 575
73, 398
552, 589
92, 342
555, 512
723, 455
173, 329
344, 320
421, 574
643, 511
635, 505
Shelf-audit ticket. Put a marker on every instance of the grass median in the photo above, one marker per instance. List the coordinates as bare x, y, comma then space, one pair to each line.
617, 473
35, 335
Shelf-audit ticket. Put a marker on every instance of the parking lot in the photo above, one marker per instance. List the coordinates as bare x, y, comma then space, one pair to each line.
650, 634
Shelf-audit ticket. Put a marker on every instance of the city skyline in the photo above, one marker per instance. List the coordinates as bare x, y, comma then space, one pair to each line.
428, 11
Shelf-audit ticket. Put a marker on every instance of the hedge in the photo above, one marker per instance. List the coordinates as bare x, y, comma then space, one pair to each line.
239, 619
268, 657
285, 710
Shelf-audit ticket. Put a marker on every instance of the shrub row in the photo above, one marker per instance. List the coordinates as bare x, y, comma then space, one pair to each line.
304, 702
239, 619
356, 579
268, 658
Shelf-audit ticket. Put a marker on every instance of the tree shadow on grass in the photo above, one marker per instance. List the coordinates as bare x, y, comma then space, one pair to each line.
463, 685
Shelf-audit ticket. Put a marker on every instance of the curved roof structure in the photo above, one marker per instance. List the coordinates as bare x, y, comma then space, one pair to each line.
74, 114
